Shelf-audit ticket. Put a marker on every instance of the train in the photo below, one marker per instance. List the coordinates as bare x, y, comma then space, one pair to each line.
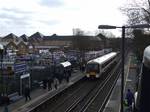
95, 67
142, 96
94, 54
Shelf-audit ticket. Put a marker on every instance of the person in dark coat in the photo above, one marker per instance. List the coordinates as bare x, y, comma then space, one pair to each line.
69, 72
66, 74
44, 84
27, 93
60, 78
50, 81
1, 99
6, 100
130, 99
55, 83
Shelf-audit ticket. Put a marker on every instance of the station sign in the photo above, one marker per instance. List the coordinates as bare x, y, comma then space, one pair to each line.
20, 67
25, 76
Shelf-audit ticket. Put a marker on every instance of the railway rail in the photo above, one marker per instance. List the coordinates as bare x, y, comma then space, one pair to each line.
77, 100
80, 96
96, 101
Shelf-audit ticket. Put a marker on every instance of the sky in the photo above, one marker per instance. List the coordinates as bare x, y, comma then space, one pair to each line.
58, 16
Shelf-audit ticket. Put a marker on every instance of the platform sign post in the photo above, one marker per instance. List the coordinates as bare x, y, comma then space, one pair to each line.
21, 81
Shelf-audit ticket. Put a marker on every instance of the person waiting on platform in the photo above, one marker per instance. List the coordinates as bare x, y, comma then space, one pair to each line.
27, 93
56, 83
66, 75
130, 99
44, 83
50, 81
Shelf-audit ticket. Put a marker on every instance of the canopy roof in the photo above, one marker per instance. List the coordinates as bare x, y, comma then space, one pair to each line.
65, 64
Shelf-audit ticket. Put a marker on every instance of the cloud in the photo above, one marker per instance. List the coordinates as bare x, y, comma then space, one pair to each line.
49, 22
56, 16
20, 20
52, 3
15, 10
14, 17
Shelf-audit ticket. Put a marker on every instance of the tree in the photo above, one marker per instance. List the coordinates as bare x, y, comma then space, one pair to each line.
138, 12
140, 41
81, 44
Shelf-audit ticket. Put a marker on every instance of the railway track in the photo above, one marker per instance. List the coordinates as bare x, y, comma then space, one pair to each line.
95, 102
68, 100
80, 96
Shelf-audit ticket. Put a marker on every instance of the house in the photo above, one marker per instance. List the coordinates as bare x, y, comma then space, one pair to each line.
36, 37
11, 45
22, 48
24, 38
10, 37
38, 41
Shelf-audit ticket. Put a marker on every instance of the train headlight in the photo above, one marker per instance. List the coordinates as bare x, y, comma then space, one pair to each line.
88, 75
97, 76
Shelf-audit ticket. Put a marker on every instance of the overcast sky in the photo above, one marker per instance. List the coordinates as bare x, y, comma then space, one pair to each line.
58, 16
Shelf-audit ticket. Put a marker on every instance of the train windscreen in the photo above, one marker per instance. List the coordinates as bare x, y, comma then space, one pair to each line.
92, 67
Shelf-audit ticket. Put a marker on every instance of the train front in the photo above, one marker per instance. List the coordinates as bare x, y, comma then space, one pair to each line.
92, 70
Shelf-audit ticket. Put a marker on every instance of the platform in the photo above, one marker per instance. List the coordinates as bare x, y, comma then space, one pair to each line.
114, 103
39, 94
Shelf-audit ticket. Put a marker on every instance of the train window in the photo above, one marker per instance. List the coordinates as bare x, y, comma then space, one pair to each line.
107, 62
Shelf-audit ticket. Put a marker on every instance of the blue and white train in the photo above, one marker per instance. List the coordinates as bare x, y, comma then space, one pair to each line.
96, 67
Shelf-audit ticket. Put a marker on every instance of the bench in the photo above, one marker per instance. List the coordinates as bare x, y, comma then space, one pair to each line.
14, 97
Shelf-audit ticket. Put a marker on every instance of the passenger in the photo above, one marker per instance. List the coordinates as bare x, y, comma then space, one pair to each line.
83, 67
27, 93
80, 66
66, 76
6, 100
50, 81
58, 74
1, 99
44, 84
130, 99
60, 78
69, 73
55, 83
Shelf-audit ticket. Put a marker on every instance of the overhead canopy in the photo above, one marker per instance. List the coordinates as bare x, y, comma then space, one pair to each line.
66, 64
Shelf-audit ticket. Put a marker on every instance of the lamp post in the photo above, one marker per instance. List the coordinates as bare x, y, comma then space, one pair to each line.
123, 50
1, 66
